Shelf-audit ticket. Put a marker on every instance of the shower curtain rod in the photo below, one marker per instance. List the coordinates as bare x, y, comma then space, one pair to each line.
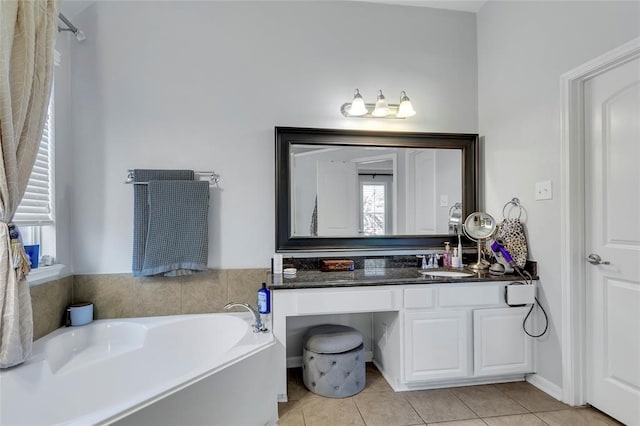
70, 27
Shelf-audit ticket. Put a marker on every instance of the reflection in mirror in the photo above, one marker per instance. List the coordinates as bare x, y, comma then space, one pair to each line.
372, 191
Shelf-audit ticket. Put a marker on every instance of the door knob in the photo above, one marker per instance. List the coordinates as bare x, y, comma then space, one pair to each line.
594, 259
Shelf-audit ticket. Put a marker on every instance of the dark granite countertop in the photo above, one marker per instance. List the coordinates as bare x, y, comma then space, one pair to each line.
380, 276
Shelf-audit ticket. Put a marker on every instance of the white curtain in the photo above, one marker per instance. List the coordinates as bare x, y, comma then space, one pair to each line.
27, 35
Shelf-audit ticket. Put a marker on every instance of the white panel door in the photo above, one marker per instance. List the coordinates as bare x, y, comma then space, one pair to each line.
437, 345
337, 200
500, 345
612, 213
425, 192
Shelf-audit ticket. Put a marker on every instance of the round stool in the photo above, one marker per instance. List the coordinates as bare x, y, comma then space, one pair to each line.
333, 361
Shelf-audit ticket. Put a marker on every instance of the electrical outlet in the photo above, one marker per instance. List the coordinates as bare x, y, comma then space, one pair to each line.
544, 190
444, 200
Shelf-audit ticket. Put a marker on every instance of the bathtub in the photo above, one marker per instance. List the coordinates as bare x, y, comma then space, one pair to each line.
174, 370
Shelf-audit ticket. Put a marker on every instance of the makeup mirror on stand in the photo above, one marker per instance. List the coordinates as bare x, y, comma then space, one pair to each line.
479, 226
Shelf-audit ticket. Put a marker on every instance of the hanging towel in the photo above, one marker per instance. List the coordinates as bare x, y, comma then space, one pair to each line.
177, 239
313, 229
141, 208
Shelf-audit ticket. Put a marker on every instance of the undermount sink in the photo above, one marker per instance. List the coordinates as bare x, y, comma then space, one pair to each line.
450, 274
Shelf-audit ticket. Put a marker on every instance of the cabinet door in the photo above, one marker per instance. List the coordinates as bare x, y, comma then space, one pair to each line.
337, 199
500, 345
437, 345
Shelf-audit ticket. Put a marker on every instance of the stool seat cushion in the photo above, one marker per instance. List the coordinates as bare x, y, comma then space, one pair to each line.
332, 339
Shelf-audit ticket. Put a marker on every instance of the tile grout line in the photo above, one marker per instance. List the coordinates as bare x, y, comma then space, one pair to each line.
404, 396
513, 399
547, 424
359, 412
465, 404
414, 409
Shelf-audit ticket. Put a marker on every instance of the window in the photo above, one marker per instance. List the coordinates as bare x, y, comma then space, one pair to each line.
375, 204
373, 209
35, 215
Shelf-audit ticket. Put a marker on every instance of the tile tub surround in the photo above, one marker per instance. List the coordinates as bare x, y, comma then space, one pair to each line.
124, 296
508, 404
49, 302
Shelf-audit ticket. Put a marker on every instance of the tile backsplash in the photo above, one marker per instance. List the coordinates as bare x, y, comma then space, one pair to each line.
124, 296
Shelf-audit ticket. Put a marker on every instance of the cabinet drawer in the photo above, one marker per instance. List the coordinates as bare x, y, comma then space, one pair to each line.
344, 301
471, 296
418, 298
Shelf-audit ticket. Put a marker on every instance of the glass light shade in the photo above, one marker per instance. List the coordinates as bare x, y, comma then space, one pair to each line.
405, 109
357, 105
381, 109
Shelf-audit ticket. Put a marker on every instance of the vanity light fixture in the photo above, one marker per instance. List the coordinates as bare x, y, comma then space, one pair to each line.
405, 109
381, 108
358, 108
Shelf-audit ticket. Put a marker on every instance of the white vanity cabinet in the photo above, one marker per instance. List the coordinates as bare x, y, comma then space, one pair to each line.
422, 335
462, 332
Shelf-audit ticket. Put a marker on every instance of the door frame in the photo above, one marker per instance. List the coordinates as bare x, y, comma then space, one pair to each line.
573, 272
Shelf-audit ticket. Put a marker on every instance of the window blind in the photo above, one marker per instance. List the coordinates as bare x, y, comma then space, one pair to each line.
36, 207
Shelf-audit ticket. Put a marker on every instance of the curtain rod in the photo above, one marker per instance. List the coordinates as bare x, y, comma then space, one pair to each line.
70, 27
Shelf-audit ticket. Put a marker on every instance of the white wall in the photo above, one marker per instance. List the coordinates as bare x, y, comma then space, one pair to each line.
523, 48
201, 85
62, 152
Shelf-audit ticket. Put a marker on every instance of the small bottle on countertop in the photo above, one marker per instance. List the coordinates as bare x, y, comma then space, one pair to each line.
456, 260
446, 257
264, 306
459, 265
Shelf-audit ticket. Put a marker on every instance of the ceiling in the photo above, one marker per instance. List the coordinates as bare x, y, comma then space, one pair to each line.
462, 5
72, 7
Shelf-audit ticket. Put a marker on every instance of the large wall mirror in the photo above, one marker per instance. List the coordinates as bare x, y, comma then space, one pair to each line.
370, 190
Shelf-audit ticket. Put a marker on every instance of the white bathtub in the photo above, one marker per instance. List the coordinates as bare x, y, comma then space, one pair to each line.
174, 370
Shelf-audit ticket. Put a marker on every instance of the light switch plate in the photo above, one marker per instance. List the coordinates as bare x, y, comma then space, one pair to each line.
444, 200
544, 190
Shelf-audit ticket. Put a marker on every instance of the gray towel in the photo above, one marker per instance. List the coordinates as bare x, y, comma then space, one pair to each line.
177, 240
141, 209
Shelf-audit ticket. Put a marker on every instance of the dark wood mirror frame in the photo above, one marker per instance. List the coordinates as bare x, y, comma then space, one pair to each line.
286, 136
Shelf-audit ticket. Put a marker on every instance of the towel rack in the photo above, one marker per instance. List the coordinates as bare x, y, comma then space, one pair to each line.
212, 177
514, 203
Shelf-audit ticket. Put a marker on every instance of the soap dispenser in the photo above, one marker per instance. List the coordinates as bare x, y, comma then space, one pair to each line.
446, 257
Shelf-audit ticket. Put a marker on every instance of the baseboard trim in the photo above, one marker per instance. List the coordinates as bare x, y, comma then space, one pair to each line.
545, 386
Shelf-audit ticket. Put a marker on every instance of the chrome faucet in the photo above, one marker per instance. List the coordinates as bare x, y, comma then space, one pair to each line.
257, 326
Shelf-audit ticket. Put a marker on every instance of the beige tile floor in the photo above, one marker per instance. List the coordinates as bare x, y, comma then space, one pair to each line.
505, 404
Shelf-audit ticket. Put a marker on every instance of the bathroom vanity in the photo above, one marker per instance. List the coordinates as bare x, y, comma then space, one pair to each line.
427, 331
421, 331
